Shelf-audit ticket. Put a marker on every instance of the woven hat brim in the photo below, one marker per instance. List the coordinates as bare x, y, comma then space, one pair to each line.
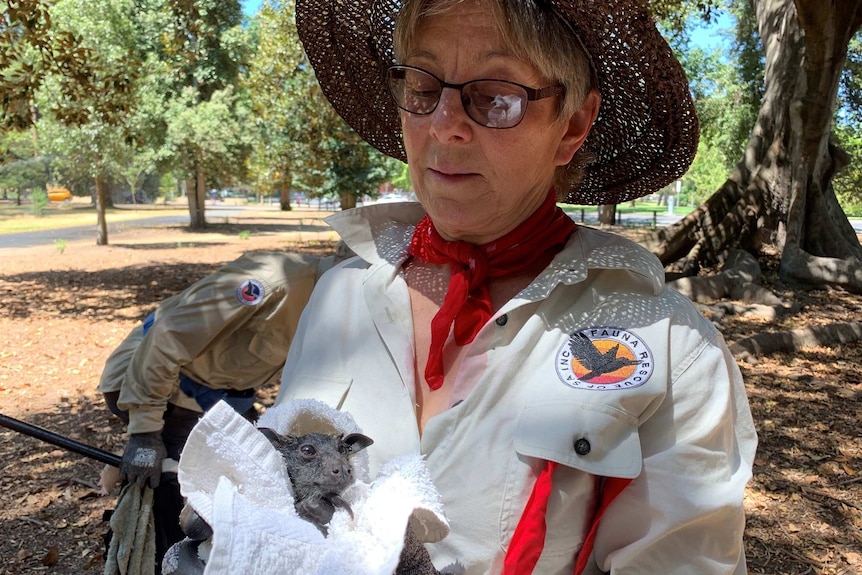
644, 138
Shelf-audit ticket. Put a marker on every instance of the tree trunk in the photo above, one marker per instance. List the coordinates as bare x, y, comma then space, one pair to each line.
196, 193
348, 200
284, 193
101, 221
781, 190
607, 214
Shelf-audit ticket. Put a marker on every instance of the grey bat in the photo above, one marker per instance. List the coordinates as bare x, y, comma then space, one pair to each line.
320, 470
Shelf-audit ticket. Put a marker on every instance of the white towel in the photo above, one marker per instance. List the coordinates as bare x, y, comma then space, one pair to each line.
233, 477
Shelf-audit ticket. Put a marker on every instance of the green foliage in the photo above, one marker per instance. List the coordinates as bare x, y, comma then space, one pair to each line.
748, 77
60, 244
848, 182
203, 48
727, 86
38, 202
27, 54
277, 79
676, 17
94, 135
198, 42
210, 132
244, 235
179, 62
402, 180
23, 173
37, 44
352, 166
301, 142
127, 90
847, 130
850, 92
707, 173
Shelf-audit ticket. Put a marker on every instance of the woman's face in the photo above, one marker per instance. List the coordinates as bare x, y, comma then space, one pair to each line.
478, 183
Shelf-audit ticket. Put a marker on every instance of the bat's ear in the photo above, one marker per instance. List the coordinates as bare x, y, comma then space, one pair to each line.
274, 438
357, 442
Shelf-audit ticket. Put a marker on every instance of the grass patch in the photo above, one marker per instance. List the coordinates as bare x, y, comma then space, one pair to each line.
15, 219
641, 207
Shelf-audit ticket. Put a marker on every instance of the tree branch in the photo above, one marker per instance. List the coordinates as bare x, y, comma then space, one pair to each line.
794, 340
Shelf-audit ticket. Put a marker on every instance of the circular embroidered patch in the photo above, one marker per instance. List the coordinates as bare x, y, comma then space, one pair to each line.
250, 292
604, 358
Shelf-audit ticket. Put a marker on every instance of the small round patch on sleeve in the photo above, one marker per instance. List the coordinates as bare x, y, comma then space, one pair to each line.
604, 358
250, 292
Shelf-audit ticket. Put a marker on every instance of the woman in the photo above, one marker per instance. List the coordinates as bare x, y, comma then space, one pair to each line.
575, 414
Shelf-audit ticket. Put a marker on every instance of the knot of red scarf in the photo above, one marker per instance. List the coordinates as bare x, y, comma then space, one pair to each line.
467, 304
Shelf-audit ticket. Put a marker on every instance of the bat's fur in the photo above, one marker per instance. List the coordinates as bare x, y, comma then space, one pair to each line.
320, 469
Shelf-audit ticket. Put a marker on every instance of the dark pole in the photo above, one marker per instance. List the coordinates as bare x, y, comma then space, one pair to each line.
60, 441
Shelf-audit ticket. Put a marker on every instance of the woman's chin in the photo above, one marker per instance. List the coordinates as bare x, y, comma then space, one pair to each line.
475, 228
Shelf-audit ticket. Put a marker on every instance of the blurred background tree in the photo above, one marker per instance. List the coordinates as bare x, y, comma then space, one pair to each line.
135, 99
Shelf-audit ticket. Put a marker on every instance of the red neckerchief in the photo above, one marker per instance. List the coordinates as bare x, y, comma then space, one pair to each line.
467, 304
528, 540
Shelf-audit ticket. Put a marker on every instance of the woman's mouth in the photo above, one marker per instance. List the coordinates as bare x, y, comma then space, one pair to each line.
450, 174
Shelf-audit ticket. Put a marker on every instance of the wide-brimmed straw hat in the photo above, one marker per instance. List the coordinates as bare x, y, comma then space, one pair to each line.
646, 133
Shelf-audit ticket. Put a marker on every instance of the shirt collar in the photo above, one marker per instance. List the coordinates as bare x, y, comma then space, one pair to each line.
381, 233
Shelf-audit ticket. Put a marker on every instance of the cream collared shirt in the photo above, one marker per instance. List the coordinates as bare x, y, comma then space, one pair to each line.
536, 384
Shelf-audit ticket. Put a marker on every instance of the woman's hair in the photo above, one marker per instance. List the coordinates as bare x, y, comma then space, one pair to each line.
534, 33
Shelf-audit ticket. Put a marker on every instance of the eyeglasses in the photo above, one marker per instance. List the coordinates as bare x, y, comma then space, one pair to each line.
489, 103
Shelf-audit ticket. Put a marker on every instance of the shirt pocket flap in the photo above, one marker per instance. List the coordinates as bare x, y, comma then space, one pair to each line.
594, 438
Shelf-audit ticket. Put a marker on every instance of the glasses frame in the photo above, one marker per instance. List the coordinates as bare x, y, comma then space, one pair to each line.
531, 93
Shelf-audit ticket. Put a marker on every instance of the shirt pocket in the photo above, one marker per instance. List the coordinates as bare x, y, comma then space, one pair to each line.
586, 440
595, 438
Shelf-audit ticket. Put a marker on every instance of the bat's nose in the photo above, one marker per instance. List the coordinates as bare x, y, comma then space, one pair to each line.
341, 471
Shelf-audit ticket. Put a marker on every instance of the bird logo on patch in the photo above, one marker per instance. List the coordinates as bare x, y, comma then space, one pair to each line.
604, 358
250, 292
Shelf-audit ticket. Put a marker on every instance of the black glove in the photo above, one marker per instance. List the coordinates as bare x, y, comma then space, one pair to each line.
182, 559
142, 459
414, 558
193, 525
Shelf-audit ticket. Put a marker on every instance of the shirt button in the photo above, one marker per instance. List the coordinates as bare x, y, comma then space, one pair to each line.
582, 446
501, 321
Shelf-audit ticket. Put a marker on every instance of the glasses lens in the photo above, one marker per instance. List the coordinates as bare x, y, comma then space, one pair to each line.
494, 104
414, 90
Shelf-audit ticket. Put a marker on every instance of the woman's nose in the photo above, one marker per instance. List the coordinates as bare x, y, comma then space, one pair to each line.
450, 121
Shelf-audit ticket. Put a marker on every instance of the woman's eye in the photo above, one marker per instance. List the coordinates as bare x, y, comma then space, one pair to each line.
422, 91
486, 100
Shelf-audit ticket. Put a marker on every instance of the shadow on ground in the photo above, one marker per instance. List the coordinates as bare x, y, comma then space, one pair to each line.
105, 294
50, 506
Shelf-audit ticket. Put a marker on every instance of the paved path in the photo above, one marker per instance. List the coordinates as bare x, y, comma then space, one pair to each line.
217, 214
43, 237
220, 214
660, 219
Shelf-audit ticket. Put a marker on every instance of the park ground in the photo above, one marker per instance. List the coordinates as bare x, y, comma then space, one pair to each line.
64, 307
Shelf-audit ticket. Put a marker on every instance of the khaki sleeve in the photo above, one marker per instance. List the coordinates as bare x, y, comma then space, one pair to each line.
182, 330
194, 322
251, 355
118, 362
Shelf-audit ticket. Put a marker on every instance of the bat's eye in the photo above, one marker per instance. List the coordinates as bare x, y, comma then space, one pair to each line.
308, 450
